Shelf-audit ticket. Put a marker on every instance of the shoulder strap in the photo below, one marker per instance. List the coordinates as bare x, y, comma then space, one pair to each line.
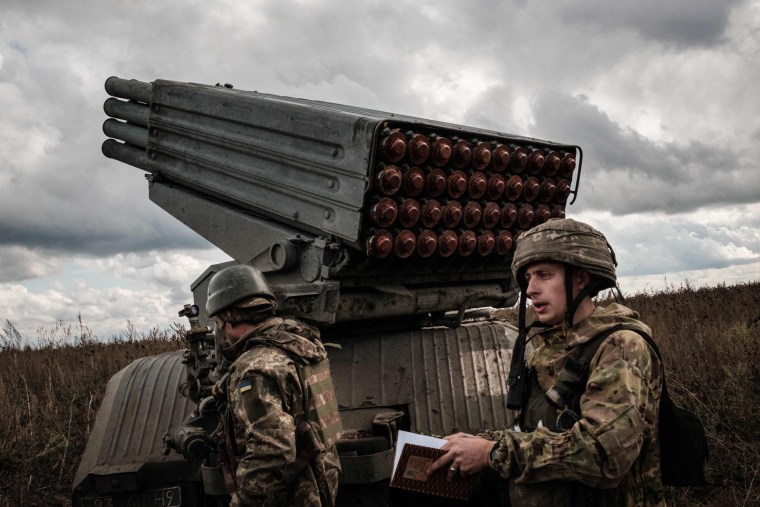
683, 443
571, 380
590, 347
320, 412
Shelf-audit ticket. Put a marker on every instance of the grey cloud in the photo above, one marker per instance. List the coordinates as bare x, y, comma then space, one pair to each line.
492, 109
628, 173
679, 22
88, 206
21, 263
652, 243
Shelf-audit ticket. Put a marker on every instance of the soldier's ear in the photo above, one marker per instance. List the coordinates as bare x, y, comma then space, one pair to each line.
583, 277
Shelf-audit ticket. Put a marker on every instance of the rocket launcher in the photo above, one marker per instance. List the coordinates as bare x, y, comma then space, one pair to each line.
353, 214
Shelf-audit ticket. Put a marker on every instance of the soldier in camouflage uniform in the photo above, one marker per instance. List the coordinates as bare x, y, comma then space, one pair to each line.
281, 420
602, 447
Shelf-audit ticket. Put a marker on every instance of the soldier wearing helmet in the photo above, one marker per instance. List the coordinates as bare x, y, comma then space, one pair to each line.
587, 432
281, 420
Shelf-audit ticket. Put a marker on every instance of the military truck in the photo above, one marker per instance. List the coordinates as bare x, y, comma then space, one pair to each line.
392, 234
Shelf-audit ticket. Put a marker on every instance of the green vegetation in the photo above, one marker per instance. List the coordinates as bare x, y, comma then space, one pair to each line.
710, 340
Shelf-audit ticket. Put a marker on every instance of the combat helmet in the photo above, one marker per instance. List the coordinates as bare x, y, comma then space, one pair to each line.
243, 287
570, 242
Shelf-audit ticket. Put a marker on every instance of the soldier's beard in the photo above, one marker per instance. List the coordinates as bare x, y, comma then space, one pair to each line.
230, 351
219, 338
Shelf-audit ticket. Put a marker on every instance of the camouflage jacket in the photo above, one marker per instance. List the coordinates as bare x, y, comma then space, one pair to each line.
610, 456
278, 460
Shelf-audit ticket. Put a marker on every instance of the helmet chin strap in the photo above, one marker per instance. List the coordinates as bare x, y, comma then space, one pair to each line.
572, 304
521, 327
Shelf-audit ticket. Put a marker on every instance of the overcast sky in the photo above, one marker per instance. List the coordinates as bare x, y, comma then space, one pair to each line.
661, 95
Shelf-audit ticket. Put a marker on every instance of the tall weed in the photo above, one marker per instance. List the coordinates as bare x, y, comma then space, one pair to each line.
50, 394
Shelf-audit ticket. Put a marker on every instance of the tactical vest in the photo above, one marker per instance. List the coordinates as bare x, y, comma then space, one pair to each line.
316, 431
320, 405
683, 444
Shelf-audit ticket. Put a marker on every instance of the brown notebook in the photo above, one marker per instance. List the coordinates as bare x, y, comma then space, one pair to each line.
410, 474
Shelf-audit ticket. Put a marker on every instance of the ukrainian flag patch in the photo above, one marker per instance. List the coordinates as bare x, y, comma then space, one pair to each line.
245, 385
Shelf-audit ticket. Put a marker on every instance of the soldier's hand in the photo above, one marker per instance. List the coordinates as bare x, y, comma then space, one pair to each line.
466, 454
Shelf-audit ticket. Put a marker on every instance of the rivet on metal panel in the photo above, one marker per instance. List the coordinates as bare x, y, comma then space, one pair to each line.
435, 182
519, 159
456, 184
568, 165
384, 212
514, 188
476, 185
413, 180
462, 153
389, 180
486, 243
525, 216
547, 190
452, 214
481, 156
553, 163
543, 213
508, 215
418, 147
531, 189
467, 242
441, 151
427, 242
409, 212
563, 191
500, 158
393, 145
447, 243
405, 244
431, 213
496, 186
536, 161
472, 214
491, 215
504, 243
380, 244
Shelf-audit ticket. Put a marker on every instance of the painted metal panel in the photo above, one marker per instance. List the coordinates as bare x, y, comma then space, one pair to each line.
449, 379
140, 404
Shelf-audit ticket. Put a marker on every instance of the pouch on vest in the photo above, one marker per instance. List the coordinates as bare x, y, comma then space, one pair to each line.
683, 444
320, 405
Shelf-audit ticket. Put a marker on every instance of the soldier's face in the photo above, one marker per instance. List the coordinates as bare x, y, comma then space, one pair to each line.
546, 290
219, 332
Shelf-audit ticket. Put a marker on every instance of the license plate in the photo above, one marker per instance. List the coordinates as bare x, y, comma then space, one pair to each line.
164, 497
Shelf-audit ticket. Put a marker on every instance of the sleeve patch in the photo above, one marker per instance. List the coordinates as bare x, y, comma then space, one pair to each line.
245, 385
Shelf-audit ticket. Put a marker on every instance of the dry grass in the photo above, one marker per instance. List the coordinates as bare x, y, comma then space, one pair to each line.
710, 340
50, 395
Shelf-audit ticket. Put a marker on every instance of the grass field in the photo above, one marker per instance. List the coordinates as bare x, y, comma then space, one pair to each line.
709, 338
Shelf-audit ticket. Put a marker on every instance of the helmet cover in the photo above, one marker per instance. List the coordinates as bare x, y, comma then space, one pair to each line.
569, 242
